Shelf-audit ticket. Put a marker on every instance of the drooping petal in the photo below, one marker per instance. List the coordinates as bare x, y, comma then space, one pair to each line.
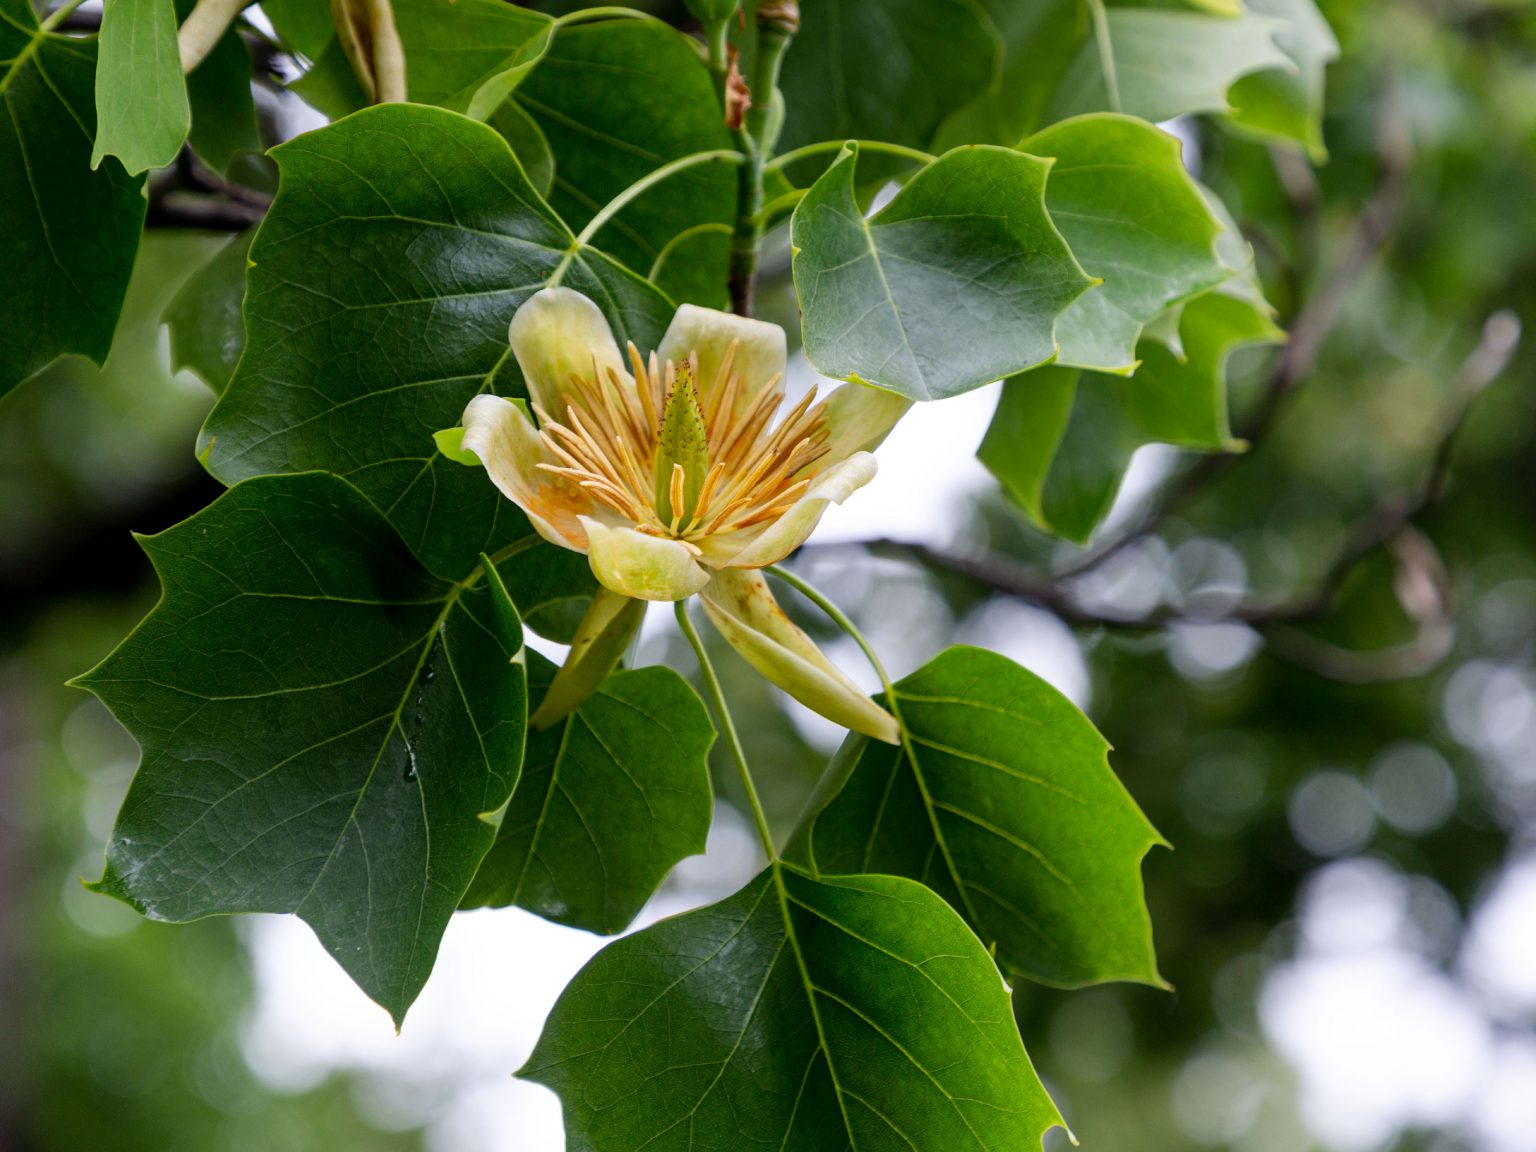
505, 440
760, 355
859, 417
789, 531
645, 567
604, 632
555, 335
742, 607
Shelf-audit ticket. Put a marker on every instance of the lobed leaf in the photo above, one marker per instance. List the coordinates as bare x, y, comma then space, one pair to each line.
610, 799
1288, 104
142, 114
70, 233
1161, 63
614, 101
381, 285
1120, 195
1061, 440
324, 725
1002, 801
957, 282
801, 1014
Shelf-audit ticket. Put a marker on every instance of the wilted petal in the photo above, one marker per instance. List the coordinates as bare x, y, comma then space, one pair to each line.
645, 567
742, 607
760, 355
859, 417
505, 440
555, 335
789, 531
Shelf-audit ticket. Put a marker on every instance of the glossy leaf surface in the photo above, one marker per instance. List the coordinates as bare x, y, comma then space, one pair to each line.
614, 101
324, 723
610, 799
1003, 802
806, 1015
383, 280
883, 69
1120, 194
70, 232
957, 282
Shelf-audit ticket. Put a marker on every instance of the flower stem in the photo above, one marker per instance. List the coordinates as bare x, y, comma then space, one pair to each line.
607, 12
879, 146
650, 180
728, 726
838, 617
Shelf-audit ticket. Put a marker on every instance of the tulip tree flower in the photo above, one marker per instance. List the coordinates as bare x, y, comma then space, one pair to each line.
674, 478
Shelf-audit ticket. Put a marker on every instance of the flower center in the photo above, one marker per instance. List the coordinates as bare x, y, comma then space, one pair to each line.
679, 464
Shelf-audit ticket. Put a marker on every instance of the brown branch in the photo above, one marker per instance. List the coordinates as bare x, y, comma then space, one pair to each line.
1423, 589
190, 195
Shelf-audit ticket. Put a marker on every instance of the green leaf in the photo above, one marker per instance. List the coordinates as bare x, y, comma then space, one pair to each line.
957, 282
528, 143
324, 723
142, 115
1001, 800
1039, 39
610, 799
1163, 63
466, 56
302, 24
223, 112
207, 328
615, 101
1060, 441
382, 283
883, 69
799, 1014
70, 232
1121, 196
1288, 104
330, 85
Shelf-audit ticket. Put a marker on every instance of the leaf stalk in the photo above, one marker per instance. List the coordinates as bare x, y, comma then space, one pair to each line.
728, 727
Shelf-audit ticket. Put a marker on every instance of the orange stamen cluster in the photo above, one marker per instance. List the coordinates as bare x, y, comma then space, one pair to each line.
609, 437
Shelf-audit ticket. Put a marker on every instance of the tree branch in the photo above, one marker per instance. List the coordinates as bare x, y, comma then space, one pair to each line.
1422, 587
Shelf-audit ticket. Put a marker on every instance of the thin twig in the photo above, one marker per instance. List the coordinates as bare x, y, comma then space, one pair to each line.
1385, 524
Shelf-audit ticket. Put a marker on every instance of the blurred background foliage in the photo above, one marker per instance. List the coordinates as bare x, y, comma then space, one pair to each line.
1346, 826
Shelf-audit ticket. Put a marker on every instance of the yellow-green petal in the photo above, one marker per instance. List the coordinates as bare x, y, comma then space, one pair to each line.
760, 356
610, 623
741, 605
789, 531
501, 435
645, 567
859, 417
555, 334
